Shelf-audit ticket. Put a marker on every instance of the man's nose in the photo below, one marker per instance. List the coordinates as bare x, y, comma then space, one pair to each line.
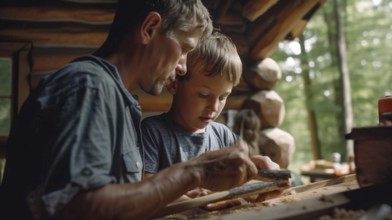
181, 66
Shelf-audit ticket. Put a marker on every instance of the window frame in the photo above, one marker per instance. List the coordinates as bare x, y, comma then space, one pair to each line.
20, 54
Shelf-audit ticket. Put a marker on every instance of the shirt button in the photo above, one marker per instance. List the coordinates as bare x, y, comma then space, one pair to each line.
87, 172
137, 164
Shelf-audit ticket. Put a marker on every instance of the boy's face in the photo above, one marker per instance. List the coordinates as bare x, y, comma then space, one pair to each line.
199, 100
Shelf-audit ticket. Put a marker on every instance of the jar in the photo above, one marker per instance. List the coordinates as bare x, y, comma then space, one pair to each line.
385, 110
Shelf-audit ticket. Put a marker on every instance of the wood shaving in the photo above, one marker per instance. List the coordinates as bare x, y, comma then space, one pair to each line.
343, 214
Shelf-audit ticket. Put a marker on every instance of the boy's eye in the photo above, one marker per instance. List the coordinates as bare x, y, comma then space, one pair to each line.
223, 98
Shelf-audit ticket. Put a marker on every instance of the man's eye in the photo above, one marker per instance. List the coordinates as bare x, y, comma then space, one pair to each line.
186, 50
203, 95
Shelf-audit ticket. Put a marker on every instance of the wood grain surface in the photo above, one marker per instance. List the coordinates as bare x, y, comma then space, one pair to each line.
246, 190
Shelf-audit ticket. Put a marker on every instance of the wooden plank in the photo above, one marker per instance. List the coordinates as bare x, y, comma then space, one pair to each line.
350, 179
162, 103
253, 9
241, 44
246, 190
287, 19
63, 13
297, 30
236, 6
312, 201
65, 35
237, 29
150, 103
49, 59
222, 9
265, 22
211, 4
24, 71
311, 204
293, 211
46, 64
230, 18
300, 26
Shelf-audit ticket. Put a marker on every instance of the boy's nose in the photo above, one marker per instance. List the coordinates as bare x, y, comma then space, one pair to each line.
214, 105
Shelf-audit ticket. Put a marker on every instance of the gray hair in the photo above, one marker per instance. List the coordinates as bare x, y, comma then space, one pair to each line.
176, 14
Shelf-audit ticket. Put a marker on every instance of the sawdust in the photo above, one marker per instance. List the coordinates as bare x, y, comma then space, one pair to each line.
343, 214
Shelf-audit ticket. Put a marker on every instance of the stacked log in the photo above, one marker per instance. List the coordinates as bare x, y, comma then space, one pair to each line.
267, 103
269, 106
278, 144
269, 111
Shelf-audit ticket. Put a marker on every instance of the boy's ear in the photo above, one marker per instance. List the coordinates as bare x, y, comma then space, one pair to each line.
150, 27
172, 87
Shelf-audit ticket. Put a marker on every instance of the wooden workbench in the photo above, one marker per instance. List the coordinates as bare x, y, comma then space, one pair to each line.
302, 202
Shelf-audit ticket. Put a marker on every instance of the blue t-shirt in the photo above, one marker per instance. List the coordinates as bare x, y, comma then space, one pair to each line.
166, 143
79, 130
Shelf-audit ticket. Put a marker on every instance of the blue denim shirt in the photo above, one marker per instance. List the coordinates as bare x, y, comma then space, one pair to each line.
79, 130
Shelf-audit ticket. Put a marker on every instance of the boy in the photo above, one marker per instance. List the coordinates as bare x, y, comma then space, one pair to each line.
188, 129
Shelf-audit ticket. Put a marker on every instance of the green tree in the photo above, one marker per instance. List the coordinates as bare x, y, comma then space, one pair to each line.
368, 31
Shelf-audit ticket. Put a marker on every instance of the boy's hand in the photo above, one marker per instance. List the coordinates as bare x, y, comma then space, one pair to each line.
264, 163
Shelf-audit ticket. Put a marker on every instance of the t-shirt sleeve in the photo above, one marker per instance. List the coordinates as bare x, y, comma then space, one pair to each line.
232, 137
225, 135
151, 145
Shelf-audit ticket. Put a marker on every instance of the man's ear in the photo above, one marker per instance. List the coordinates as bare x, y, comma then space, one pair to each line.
150, 26
172, 86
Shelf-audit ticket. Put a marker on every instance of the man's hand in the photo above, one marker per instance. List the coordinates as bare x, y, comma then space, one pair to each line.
226, 168
197, 192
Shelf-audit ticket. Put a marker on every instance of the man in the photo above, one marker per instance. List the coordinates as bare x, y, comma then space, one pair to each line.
75, 150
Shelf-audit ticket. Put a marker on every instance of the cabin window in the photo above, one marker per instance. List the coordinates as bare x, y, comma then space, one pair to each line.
5, 95
15, 72
5, 101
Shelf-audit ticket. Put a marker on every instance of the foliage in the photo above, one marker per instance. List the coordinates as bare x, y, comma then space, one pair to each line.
369, 35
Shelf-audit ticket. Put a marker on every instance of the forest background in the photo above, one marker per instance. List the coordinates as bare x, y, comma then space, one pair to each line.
334, 74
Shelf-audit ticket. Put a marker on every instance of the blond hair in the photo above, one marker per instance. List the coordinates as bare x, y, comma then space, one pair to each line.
216, 54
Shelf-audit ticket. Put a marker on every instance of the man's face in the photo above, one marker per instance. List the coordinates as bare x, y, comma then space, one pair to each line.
199, 100
168, 58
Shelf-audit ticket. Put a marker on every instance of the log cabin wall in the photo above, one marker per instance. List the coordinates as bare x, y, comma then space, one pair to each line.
59, 31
